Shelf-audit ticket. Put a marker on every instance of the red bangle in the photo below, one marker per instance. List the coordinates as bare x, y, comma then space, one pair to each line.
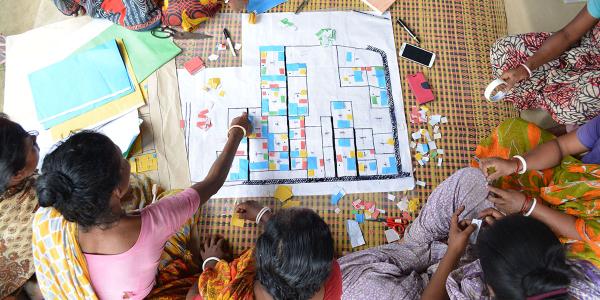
526, 204
518, 165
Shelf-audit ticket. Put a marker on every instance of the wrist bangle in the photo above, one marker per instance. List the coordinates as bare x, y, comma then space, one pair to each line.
527, 68
528, 213
261, 213
525, 205
209, 259
523, 163
237, 126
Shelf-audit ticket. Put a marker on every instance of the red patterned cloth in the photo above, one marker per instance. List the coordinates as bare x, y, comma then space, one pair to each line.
567, 87
188, 13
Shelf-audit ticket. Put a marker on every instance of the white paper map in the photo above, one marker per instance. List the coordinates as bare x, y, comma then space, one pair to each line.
324, 117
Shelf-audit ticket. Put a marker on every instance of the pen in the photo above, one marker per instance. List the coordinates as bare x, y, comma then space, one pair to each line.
368, 14
408, 30
228, 37
301, 7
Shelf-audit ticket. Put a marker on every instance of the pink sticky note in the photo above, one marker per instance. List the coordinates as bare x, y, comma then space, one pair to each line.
194, 65
368, 205
181, 124
375, 214
203, 112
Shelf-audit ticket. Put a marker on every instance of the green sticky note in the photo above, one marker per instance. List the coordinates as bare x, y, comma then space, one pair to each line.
146, 52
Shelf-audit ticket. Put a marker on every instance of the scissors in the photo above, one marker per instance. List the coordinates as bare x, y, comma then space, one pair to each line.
164, 32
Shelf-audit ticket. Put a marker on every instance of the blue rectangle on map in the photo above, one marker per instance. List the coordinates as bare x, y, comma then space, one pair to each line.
281, 56
351, 164
349, 56
343, 124
373, 166
384, 97
273, 77
295, 67
338, 105
270, 48
344, 142
295, 153
263, 165
293, 109
312, 163
302, 111
358, 76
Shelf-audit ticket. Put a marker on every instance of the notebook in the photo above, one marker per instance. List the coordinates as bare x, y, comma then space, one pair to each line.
79, 83
379, 6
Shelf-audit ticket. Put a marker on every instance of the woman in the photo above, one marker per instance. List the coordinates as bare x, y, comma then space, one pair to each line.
293, 259
546, 182
132, 14
433, 260
19, 155
556, 72
84, 244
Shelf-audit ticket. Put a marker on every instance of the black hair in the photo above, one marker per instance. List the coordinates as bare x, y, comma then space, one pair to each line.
521, 257
294, 255
78, 178
13, 150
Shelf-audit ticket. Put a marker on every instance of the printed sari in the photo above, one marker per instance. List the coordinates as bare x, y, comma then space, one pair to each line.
229, 281
571, 187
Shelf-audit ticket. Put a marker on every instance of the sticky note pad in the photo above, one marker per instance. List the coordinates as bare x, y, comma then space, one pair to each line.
283, 192
237, 221
291, 203
194, 65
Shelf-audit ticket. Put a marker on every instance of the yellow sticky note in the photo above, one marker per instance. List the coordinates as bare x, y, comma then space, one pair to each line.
222, 94
146, 162
283, 192
291, 203
272, 166
302, 71
413, 205
263, 55
303, 92
390, 141
361, 154
425, 108
106, 111
311, 173
237, 221
352, 154
349, 117
213, 83
362, 167
303, 153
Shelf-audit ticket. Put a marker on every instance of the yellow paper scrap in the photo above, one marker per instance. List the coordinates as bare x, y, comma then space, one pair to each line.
146, 162
214, 83
413, 205
133, 165
283, 192
237, 221
222, 94
291, 203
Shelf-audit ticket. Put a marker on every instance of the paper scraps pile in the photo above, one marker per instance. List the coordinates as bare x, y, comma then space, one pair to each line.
365, 211
424, 140
203, 120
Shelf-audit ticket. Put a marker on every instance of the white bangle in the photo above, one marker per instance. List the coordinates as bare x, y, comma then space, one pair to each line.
209, 259
523, 163
261, 213
528, 213
237, 126
528, 69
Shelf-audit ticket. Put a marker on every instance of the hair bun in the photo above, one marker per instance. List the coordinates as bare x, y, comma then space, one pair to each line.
54, 187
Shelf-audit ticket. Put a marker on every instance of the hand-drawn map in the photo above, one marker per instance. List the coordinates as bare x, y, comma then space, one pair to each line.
324, 118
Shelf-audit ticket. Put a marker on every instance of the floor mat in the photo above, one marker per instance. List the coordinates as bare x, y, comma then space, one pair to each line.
460, 33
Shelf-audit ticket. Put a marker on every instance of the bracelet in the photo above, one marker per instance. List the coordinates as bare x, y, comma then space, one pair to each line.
261, 213
209, 259
523, 163
237, 126
528, 213
525, 205
518, 165
527, 68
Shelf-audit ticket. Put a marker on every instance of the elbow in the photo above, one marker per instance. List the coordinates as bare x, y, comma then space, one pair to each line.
568, 37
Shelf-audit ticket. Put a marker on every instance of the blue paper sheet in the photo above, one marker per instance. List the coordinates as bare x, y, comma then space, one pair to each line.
260, 6
79, 83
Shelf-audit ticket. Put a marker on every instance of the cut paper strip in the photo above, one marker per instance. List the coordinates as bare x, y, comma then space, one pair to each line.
106, 112
439, 163
283, 193
358, 204
261, 6
473, 236
237, 221
335, 198
213, 57
403, 204
375, 214
369, 205
420, 183
79, 83
291, 203
391, 197
354, 233
437, 136
432, 145
237, 46
391, 235
337, 210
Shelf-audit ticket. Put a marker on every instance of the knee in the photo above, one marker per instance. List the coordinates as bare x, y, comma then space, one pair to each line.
471, 176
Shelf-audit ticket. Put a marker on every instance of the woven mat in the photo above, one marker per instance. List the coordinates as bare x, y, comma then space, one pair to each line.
460, 33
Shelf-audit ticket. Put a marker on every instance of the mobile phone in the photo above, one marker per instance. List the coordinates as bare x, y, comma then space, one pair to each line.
420, 87
416, 54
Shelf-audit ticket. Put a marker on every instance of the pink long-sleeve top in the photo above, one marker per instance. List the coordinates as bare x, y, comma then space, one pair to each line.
131, 274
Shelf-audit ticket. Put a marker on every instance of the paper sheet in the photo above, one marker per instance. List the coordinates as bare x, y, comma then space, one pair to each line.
122, 131
79, 83
260, 6
320, 114
355, 234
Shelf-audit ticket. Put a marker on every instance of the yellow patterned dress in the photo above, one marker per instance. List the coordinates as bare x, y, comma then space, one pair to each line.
571, 187
17, 206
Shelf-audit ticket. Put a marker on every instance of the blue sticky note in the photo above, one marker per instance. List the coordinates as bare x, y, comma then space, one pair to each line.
338, 105
344, 142
343, 124
351, 164
260, 6
312, 163
349, 56
360, 218
79, 83
335, 198
358, 76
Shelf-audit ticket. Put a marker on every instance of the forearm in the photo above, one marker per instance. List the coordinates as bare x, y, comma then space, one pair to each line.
552, 48
220, 168
544, 156
436, 289
561, 224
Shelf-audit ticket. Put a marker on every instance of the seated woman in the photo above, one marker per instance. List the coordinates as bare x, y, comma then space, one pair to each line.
555, 72
435, 245
19, 155
547, 183
131, 14
293, 259
84, 245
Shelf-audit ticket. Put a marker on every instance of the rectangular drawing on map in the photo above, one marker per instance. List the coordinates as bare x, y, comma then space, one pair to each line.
322, 117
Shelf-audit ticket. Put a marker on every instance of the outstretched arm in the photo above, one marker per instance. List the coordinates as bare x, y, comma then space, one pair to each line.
553, 47
220, 168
